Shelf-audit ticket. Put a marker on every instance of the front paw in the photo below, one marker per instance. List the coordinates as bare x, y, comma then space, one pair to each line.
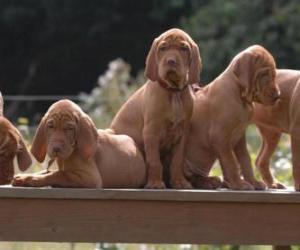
210, 182
155, 184
240, 185
181, 184
258, 185
24, 180
278, 185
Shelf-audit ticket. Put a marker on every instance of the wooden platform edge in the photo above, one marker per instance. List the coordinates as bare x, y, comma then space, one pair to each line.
269, 196
149, 216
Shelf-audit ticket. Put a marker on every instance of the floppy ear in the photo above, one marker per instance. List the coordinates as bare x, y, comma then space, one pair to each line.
195, 65
23, 156
39, 144
243, 68
1, 105
87, 137
151, 70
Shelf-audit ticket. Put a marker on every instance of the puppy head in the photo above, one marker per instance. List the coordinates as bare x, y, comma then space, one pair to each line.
175, 59
65, 130
256, 70
11, 146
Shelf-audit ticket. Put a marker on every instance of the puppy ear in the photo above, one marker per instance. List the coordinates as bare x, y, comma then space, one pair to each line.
39, 144
195, 65
243, 69
263, 76
1, 105
151, 70
23, 156
87, 137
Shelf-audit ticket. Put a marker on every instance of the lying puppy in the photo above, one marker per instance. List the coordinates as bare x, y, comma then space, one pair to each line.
86, 158
283, 117
222, 111
11, 146
158, 114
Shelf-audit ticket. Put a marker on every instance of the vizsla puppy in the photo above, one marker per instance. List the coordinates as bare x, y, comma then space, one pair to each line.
157, 115
86, 158
283, 117
222, 111
11, 145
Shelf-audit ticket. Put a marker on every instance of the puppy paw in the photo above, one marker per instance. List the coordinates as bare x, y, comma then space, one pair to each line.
25, 181
258, 185
241, 185
155, 184
181, 184
209, 182
277, 185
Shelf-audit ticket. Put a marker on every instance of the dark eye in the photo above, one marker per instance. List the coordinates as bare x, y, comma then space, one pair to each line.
69, 128
50, 125
163, 48
184, 48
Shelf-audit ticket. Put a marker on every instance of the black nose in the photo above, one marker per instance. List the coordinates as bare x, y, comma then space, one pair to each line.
171, 61
56, 149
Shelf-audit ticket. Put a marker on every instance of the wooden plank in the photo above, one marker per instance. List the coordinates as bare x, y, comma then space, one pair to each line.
270, 196
135, 216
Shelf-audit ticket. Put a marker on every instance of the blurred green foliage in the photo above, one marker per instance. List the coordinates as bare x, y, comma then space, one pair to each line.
61, 46
113, 88
223, 28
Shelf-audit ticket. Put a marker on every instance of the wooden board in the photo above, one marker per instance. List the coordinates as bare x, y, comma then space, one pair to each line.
149, 216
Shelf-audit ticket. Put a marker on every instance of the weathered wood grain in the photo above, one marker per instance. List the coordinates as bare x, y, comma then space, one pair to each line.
148, 216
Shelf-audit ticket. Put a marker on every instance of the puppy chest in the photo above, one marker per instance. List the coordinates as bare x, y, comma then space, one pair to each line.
173, 128
171, 135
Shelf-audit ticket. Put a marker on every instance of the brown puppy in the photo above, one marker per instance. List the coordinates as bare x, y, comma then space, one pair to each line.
11, 145
222, 111
157, 115
283, 117
86, 158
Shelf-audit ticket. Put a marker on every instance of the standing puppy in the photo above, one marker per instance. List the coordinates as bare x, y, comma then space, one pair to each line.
222, 111
283, 117
11, 145
157, 116
86, 158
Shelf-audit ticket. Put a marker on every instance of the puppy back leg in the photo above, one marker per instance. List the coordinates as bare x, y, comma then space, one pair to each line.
243, 157
270, 139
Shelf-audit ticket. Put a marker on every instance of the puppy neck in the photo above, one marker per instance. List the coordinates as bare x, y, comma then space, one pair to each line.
164, 85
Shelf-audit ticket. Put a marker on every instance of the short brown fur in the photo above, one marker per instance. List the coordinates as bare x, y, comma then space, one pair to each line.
86, 158
157, 115
11, 145
222, 111
272, 121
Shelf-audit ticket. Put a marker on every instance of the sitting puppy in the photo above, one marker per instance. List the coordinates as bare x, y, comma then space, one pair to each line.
86, 158
157, 115
11, 145
222, 111
272, 121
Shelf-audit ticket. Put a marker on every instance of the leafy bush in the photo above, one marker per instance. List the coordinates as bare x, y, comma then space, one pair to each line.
113, 88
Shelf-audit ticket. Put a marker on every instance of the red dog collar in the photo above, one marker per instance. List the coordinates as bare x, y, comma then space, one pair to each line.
168, 88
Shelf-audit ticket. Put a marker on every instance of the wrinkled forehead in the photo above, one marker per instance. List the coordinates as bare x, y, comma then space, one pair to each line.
264, 56
62, 116
175, 37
